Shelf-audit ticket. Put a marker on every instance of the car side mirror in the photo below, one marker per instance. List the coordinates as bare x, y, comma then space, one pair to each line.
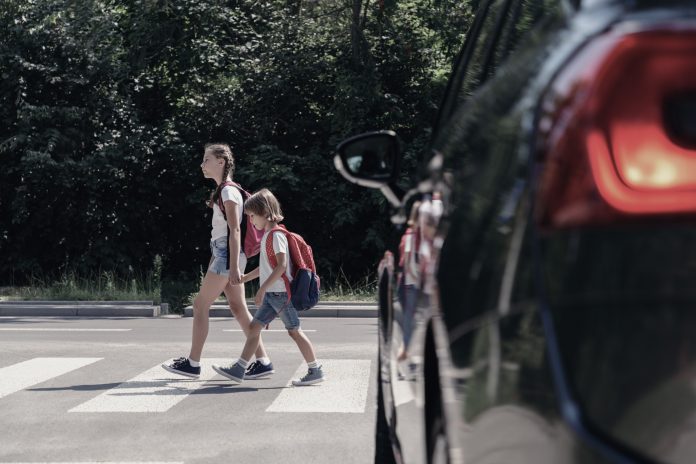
372, 160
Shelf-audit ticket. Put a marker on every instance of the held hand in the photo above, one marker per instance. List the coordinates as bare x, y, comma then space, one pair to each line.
387, 262
235, 277
258, 299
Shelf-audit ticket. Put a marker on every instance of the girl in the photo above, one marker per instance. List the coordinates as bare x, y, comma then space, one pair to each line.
409, 281
272, 298
224, 270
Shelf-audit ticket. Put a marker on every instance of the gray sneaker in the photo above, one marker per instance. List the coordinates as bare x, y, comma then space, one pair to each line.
235, 372
314, 375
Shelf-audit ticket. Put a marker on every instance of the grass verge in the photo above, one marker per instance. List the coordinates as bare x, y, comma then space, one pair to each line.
179, 293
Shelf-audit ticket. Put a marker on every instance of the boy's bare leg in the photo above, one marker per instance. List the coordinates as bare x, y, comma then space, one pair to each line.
212, 286
252, 340
303, 344
235, 298
236, 371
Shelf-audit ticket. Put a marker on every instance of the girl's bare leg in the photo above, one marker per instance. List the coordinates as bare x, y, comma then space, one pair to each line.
238, 306
253, 338
213, 285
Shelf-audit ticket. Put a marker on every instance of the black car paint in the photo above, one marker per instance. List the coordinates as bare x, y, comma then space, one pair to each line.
505, 366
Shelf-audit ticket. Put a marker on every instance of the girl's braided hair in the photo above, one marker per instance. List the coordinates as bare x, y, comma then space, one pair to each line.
221, 151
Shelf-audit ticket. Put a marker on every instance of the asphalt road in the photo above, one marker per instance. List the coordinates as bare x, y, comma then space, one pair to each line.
91, 390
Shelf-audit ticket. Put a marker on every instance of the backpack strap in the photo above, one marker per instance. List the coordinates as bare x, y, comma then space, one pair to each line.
270, 254
242, 224
402, 246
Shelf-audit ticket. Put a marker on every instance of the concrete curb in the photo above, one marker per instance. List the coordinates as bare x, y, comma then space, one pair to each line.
79, 309
147, 309
74, 303
337, 309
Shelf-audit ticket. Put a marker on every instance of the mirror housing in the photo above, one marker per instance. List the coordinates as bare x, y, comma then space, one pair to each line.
371, 160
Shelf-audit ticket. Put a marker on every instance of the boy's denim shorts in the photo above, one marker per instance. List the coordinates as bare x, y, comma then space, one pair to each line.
218, 248
277, 304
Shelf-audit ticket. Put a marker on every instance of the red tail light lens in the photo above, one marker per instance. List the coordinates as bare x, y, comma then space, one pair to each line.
619, 132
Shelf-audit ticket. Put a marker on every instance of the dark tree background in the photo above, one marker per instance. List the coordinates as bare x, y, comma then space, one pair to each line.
106, 105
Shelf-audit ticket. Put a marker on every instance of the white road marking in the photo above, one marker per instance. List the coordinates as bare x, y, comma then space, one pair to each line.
343, 391
57, 329
268, 330
155, 390
37, 370
99, 462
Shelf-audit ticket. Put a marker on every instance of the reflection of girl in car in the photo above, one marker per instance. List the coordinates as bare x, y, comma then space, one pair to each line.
409, 281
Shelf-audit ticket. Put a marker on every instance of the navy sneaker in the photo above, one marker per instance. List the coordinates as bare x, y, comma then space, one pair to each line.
235, 372
182, 366
313, 375
257, 370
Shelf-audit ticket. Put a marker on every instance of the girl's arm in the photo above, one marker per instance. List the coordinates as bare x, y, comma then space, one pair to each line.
250, 276
233, 240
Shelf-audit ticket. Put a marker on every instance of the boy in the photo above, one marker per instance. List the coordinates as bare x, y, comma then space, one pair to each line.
272, 299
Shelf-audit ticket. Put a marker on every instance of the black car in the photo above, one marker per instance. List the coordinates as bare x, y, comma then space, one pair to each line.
552, 316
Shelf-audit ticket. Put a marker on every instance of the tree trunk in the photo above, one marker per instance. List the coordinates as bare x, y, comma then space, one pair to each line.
356, 35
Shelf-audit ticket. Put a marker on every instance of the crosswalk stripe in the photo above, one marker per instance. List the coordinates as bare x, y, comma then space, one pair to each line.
37, 370
268, 330
154, 390
57, 329
343, 391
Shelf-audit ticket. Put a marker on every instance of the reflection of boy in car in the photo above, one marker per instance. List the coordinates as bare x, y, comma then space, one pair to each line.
429, 215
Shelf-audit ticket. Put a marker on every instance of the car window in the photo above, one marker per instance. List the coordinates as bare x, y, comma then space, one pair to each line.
468, 70
520, 19
479, 63
500, 27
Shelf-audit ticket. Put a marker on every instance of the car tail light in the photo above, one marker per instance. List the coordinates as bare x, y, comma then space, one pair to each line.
618, 131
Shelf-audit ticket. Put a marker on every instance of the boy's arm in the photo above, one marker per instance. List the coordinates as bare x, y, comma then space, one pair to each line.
250, 276
275, 274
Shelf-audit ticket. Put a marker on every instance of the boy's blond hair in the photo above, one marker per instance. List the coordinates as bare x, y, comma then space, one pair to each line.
264, 203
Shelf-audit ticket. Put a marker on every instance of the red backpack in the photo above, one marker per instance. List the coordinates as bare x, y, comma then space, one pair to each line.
250, 237
304, 290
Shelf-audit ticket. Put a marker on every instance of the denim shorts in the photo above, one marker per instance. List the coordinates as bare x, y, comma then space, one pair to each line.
277, 304
218, 248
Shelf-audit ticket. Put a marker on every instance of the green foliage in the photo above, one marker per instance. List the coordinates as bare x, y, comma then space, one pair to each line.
74, 286
344, 289
179, 293
106, 105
